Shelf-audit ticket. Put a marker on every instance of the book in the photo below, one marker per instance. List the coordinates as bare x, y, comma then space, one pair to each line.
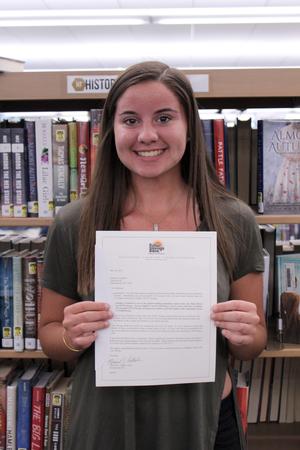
281, 163
44, 168
253, 168
284, 390
288, 295
38, 409
39, 274
57, 375
242, 393
29, 271
83, 157
266, 279
19, 172
6, 299
232, 156
57, 414
265, 390
297, 392
255, 390
291, 391
95, 130
24, 400
73, 184
275, 392
11, 411
219, 149
7, 369
32, 193
18, 314
243, 136
60, 160
11, 65
208, 132
268, 235
260, 167
6, 186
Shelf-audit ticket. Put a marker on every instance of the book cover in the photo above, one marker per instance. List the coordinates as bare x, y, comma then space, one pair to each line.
29, 271
288, 295
219, 149
83, 158
281, 167
6, 298
18, 314
6, 186
73, 184
24, 400
208, 132
44, 168
32, 194
60, 164
19, 172
95, 130
7, 369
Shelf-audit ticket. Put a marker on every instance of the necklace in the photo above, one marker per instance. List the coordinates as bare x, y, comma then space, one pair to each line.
156, 223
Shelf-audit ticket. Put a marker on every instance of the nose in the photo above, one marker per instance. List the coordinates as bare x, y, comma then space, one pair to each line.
147, 134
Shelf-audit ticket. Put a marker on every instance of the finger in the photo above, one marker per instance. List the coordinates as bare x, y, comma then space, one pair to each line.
86, 317
86, 328
241, 328
79, 307
234, 305
236, 316
237, 339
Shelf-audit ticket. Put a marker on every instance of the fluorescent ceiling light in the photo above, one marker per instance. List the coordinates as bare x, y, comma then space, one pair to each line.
165, 16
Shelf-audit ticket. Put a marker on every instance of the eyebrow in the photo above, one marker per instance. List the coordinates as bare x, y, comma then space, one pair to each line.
156, 112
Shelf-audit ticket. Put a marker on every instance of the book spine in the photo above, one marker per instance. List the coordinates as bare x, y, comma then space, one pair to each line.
2, 415
7, 302
219, 149
73, 161
56, 423
260, 168
32, 202
39, 268
95, 129
18, 332
60, 165
43, 132
6, 197
19, 172
29, 264
47, 418
24, 397
37, 418
83, 157
11, 418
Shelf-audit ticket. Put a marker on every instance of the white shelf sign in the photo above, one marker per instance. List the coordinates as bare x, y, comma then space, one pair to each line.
200, 82
90, 84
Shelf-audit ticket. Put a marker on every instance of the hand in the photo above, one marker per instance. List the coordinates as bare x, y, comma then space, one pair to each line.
237, 319
82, 320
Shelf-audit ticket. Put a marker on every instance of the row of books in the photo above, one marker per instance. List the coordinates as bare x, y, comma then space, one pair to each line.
269, 388
257, 160
34, 406
20, 293
45, 164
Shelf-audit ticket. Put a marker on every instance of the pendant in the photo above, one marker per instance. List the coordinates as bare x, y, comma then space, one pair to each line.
155, 227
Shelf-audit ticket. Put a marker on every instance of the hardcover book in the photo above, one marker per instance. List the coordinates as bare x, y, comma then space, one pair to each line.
19, 172
32, 194
43, 135
83, 157
60, 164
73, 184
29, 270
58, 406
95, 129
243, 131
219, 149
288, 295
6, 298
6, 188
11, 412
281, 167
7, 369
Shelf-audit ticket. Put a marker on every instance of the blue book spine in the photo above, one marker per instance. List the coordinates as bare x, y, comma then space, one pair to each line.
208, 132
7, 302
32, 202
24, 396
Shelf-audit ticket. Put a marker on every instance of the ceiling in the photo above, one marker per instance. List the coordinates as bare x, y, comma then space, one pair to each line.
97, 47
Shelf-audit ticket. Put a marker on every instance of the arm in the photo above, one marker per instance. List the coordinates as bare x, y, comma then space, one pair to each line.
241, 319
78, 322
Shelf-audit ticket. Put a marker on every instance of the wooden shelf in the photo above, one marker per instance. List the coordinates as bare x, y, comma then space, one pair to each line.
286, 351
25, 222
269, 436
27, 354
274, 219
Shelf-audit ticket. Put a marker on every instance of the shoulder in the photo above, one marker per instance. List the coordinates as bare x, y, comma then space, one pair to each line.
69, 215
236, 210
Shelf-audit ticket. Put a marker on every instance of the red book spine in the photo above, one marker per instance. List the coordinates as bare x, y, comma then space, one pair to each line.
242, 394
37, 418
83, 157
219, 147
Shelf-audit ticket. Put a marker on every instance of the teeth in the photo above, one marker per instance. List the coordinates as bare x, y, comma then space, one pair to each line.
150, 153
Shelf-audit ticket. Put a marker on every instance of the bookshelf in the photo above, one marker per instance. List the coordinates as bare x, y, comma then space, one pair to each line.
227, 88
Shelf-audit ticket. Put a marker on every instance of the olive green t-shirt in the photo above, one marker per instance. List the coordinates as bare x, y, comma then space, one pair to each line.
168, 417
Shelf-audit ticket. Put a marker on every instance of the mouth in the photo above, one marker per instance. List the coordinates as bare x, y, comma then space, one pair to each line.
149, 153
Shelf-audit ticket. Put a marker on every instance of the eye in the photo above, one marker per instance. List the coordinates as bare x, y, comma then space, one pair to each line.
164, 119
130, 121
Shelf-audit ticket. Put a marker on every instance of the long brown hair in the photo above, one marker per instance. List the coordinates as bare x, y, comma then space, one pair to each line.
103, 206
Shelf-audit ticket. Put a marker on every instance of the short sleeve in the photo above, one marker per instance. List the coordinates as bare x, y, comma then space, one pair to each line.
60, 259
249, 246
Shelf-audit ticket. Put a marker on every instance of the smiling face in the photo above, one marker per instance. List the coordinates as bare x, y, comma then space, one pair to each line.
150, 130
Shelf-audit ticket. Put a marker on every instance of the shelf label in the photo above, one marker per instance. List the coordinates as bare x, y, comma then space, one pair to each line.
200, 82
90, 84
